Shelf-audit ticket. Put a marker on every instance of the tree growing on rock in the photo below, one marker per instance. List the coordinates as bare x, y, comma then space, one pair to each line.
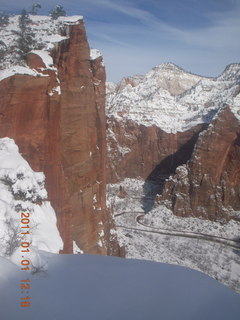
58, 11
4, 19
35, 8
25, 41
3, 50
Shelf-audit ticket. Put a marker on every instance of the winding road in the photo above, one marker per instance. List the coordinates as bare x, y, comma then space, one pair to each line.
177, 233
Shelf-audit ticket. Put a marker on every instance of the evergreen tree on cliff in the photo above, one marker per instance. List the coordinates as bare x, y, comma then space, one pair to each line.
25, 37
3, 50
58, 11
35, 8
4, 19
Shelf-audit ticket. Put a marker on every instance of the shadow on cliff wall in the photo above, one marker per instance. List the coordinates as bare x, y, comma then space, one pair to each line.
154, 183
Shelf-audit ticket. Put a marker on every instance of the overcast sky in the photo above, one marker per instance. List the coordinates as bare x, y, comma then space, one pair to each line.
201, 36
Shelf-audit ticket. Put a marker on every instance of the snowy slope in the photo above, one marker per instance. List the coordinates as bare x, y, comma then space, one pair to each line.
22, 190
110, 87
173, 99
203, 245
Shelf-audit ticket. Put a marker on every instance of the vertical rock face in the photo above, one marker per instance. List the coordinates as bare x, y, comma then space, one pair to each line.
146, 152
209, 184
58, 122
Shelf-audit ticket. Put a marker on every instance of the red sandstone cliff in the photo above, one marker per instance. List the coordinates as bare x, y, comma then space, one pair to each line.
146, 152
63, 135
209, 184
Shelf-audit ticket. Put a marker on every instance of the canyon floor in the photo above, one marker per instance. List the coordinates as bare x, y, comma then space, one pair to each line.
156, 234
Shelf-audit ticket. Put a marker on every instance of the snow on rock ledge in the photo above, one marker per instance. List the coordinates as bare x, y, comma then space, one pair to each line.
71, 19
94, 54
19, 70
22, 190
47, 33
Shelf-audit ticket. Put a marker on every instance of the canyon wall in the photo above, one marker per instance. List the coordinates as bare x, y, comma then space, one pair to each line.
58, 121
147, 152
209, 184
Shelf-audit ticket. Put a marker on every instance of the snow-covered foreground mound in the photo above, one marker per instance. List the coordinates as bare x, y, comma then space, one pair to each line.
88, 287
25, 216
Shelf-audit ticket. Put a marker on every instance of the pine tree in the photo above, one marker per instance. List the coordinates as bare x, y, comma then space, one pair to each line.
57, 12
24, 20
4, 19
35, 8
3, 50
25, 37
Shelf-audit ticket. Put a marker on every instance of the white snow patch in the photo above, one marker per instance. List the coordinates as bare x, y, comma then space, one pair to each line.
45, 56
76, 249
72, 19
101, 233
94, 54
100, 244
56, 89
19, 70
236, 106
22, 190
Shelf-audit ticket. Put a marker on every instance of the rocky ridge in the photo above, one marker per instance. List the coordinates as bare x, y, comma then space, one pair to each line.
173, 99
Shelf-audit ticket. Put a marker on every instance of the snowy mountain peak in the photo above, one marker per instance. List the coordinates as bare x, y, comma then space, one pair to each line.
231, 72
168, 66
173, 99
172, 78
